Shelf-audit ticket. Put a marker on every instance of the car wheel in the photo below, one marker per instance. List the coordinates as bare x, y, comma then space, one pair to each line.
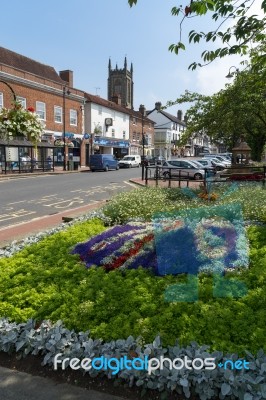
106, 168
197, 177
117, 167
166, 174
92, 170
130, 166
138, 165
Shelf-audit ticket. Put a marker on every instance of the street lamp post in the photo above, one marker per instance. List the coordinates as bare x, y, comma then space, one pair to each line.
10, 87
65, 91
142, 110
231, 74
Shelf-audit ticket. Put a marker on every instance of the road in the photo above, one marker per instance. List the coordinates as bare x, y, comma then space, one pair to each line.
24, 199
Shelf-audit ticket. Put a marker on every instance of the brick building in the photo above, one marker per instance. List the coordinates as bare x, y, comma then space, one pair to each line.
135, 134
84, 122
59, 105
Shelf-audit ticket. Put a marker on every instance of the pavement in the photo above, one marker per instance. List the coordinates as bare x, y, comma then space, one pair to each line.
16, 385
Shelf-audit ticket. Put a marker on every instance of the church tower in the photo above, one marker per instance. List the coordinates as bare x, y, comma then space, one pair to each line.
120, 84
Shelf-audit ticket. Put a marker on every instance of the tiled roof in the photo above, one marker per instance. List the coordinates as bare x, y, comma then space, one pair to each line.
171, 117
137, 114
112, 105
106, 103
26, 64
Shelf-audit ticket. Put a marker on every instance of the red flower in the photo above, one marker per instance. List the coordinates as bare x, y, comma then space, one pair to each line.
133, 251
31, 109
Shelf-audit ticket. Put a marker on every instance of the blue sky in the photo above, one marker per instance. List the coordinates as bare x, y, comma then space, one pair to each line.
81, 35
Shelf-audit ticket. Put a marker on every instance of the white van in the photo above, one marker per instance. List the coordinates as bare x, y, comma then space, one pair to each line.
130, 161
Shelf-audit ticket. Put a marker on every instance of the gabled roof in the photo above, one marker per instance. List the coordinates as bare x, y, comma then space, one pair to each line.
171, 117
137, 114
15, 60
90, 98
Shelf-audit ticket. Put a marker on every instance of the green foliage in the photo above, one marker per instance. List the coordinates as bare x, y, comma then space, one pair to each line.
237, 110
235, 40
146, 202
17, 121
44, 281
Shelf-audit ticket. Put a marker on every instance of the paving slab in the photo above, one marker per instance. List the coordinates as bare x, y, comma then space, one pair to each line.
16, 385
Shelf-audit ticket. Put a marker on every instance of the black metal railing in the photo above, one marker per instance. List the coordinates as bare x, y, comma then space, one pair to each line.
30, 166
230, 174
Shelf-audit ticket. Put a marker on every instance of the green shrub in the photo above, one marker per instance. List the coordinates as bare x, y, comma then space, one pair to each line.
45, 281
143, 203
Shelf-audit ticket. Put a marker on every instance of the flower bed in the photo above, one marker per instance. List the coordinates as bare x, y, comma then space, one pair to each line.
211, 240
247, 177
44, 281
225, 383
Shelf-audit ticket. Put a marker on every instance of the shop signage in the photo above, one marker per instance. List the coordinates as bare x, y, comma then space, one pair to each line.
102, 141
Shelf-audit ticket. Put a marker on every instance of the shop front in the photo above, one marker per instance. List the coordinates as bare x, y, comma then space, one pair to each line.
17, 156
72, 150
118, 147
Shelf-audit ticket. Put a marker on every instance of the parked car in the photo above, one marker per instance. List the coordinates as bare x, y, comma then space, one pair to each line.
224, 160
206, 163
227, 155
146, 160
220, 158
182, 168
129, 162
202, 164
103, 162
157, 160
219, 166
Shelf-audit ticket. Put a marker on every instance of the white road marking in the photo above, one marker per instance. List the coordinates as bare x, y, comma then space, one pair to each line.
16, 214
69, 201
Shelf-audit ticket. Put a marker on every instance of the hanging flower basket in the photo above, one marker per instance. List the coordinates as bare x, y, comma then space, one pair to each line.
70, 144
18, 122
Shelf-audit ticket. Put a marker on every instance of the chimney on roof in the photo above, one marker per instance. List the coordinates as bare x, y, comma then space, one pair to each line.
158, 105
67, 76
180, 115
116, 98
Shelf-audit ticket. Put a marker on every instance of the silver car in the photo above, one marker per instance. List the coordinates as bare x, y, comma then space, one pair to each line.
212, 162
182, 168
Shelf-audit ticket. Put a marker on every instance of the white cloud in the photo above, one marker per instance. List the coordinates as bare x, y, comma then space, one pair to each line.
211, 79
